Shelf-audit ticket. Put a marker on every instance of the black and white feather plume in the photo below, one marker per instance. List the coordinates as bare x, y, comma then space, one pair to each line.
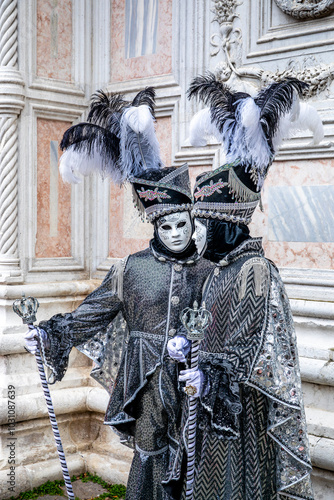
106, 110
118, 140
251, 129
89, 148
139, 145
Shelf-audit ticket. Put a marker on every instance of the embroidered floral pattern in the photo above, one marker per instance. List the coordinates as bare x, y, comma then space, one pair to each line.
151, 195
209, 189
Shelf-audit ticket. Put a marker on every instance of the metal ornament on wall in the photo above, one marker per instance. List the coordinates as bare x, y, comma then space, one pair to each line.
247, 78
306, 9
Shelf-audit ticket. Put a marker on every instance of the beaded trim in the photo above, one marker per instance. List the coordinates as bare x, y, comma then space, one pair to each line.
234, 212
169, 177
155, 211
216, 171
147, 335
239, 190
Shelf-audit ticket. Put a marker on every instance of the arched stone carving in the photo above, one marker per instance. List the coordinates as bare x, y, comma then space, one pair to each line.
306, 9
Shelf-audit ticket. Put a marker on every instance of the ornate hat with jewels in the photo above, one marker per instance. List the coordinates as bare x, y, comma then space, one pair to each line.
251, 129
163, 192
227, 193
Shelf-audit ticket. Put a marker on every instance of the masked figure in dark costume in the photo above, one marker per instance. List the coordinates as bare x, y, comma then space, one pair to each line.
150, 289
251, 435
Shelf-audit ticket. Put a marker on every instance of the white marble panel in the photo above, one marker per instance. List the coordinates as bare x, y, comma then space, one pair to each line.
301, 213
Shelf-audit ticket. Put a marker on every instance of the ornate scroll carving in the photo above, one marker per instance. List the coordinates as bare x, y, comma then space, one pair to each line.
319, 76
306, 9
229, 42
225, 10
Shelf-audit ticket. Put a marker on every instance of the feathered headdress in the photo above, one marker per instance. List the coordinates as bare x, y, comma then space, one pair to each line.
118, 140
251, 129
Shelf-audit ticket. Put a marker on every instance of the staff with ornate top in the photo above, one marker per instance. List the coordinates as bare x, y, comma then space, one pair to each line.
26, 308
196, 321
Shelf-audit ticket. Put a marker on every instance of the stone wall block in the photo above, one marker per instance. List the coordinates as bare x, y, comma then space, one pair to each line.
30, 476
108, 468
322, 452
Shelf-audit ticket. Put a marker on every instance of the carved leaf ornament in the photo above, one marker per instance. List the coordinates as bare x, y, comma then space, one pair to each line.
303, 9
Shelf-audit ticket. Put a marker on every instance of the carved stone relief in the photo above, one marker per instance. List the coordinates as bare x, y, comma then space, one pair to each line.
11, 103
306, 9
228, 42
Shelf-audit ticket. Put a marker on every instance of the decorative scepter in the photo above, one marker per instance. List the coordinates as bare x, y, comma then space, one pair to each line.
195, 321
26, 308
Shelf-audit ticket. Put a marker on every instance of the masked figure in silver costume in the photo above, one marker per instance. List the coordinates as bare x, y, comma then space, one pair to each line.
252, 439
150, 288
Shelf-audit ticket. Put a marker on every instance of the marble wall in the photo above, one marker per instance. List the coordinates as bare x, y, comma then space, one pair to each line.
54, 39
53, 238
297, 224
60, 240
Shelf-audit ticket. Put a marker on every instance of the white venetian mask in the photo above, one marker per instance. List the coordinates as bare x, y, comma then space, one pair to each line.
199, 236
175, 230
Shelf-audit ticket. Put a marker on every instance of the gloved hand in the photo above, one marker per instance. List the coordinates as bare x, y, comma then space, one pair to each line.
178, 347
31, 341
194, 379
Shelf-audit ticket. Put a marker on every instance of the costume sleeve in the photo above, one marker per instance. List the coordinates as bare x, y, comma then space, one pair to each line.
236, 339
276, 373
88, 322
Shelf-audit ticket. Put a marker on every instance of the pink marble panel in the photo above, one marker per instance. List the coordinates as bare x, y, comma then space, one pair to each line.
55, 241
160, 63
121, 244
295, 254
54, 39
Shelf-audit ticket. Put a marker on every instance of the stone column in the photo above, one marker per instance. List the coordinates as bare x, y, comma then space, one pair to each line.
11, 104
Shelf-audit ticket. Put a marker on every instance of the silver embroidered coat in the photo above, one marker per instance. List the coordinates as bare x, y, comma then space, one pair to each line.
151, 291
252, 439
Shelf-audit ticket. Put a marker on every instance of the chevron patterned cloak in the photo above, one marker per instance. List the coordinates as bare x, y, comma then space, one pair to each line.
251, 438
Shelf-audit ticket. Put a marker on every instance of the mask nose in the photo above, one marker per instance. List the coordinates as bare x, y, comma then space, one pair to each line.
175, 232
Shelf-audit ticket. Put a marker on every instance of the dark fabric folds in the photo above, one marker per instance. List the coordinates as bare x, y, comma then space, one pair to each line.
222, 400
223, 237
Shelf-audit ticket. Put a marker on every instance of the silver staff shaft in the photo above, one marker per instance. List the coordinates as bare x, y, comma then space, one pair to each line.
192, 424
26, 308
195, 321
54, 426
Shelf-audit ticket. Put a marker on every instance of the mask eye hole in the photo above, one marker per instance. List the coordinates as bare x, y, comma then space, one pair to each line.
165, 227
182, 223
